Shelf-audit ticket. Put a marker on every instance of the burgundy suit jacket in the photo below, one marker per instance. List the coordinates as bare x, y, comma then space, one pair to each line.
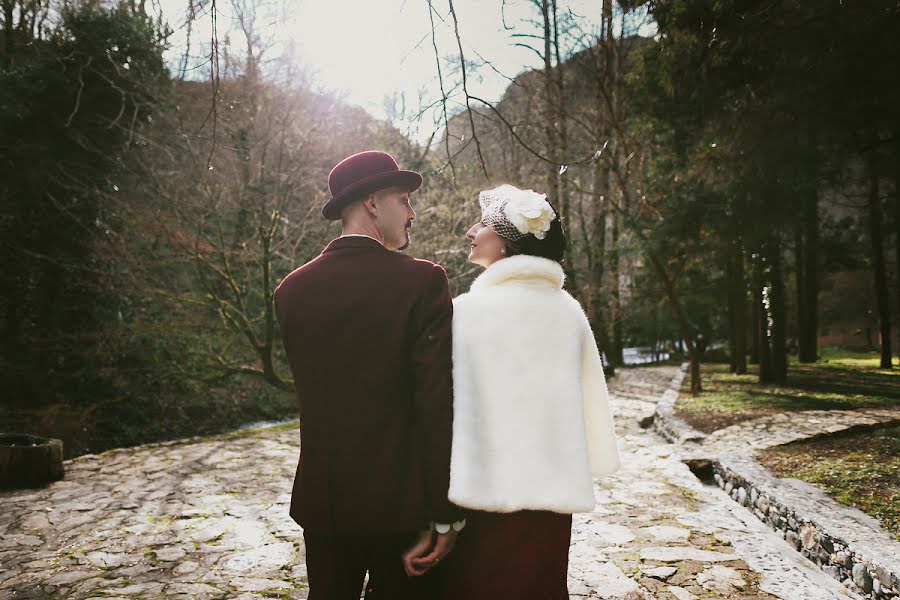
367, 332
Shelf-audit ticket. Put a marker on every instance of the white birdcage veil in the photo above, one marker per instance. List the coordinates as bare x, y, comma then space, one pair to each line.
514, 213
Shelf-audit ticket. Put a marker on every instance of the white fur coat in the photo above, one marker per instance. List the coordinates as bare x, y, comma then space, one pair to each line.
531, 421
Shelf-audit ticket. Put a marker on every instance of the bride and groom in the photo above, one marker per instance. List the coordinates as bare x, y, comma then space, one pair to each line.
445, 443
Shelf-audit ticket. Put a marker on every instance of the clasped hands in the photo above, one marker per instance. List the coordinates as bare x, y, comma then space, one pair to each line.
430, 548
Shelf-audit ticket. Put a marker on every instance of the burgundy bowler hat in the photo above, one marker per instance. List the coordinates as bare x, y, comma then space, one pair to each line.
362, 174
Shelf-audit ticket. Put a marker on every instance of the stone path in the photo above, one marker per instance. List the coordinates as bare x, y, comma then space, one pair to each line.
781, 428
208, 519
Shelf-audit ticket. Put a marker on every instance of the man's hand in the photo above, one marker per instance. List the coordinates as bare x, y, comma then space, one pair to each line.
421, 548
442, 547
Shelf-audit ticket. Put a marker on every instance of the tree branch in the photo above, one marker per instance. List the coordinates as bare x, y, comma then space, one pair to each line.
462, 63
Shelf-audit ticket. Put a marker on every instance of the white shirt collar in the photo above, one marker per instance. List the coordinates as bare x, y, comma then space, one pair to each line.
358, 235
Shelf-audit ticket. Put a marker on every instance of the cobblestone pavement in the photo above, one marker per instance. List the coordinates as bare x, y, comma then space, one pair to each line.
208, 519
781, 428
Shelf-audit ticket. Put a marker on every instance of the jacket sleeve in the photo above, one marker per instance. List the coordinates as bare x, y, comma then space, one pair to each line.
601, 434
433, 392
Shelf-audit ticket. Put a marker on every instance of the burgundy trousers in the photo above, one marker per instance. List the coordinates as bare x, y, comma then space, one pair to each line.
514, 556
336, 567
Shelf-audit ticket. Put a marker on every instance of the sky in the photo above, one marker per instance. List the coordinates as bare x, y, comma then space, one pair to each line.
367, 50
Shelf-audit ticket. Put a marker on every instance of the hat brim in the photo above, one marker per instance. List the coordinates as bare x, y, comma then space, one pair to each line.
410, 180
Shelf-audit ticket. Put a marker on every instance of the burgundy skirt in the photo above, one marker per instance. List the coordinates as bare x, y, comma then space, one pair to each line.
515, 556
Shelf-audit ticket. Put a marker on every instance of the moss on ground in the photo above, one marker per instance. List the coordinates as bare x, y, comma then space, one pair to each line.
859, 468
253, 431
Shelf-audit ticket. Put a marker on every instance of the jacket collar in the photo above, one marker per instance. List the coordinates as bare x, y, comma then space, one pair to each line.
521, 269
353, 241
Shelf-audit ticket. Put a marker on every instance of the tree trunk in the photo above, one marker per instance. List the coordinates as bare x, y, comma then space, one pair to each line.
561, 125
779, 316
680, 318
654, 353
740, 292
809, 301
897, 224
270, 328
731, 295
596, 245
616, 355
755, 326
561, 191
737, 308
762, 326
696, 384
598, 321
597, 256
550, 108
800, 282
8, 31
881, 289
606, 83
555, 140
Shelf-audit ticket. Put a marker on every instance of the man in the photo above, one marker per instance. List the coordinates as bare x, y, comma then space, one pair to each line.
367, 332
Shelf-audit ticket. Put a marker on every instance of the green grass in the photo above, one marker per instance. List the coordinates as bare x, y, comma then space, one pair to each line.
859, 468
841, 380
832, 356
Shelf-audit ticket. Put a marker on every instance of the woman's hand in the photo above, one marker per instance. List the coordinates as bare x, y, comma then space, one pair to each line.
419, 549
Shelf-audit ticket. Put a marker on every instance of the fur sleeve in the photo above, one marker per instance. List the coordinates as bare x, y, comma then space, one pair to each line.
601, 434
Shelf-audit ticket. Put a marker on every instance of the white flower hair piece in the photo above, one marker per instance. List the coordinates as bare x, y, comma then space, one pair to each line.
513, 213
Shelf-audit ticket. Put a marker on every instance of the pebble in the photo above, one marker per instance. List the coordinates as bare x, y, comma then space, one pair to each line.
667, 533
662, 573
720, 579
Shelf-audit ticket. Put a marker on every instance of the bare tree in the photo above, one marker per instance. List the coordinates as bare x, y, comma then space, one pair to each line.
251, 213
593, 158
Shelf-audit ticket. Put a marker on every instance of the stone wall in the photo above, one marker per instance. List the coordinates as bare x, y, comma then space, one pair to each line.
846, 543
667, 423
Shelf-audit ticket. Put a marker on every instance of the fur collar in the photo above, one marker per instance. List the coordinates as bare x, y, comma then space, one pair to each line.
521, 268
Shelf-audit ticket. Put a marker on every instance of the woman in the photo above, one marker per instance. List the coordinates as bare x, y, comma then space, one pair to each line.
531, 418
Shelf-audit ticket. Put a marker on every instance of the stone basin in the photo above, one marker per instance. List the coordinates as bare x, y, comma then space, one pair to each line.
28, 461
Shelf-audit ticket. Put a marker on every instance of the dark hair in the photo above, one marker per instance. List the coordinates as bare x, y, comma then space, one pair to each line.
553, 246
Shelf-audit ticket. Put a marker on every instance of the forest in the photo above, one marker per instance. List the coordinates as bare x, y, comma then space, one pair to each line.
729, 182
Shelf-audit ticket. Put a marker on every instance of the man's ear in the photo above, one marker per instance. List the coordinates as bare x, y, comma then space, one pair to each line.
371, 205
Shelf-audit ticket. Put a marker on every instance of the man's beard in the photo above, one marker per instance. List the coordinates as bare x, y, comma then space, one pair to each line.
408, 240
